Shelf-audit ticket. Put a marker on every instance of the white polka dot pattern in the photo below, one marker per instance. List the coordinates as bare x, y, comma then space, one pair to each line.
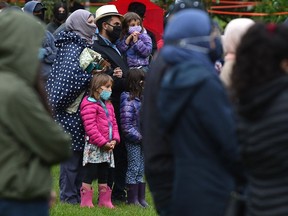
65, 83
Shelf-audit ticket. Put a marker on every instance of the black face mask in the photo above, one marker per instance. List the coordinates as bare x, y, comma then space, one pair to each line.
60, 17
40, 16
115, 33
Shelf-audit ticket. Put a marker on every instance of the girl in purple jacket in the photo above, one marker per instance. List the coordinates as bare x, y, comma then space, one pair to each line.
135, 44
102, 134
130, 105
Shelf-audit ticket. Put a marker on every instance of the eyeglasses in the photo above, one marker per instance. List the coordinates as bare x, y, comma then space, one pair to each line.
116, 24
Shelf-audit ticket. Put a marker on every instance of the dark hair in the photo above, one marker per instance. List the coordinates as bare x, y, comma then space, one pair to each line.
98, 80
59, 5
258, 57
137, 7
135, 82
128, 17
101, 21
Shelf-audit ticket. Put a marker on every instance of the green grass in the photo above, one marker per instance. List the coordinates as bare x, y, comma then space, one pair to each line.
121, 209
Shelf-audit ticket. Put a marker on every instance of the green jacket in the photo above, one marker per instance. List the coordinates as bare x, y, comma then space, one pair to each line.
30, 141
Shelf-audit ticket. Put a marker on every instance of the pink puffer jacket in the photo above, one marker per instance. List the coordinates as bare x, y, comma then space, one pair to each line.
96, 123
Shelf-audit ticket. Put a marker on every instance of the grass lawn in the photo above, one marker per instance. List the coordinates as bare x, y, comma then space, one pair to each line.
74, 210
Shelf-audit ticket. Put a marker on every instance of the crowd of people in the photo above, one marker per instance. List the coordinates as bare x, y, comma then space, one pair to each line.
92, 93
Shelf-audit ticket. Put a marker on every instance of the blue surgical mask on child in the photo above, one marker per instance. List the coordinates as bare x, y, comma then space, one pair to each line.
105, 95
134, 28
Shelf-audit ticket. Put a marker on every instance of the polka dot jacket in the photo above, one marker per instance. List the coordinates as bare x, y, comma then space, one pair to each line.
66, 83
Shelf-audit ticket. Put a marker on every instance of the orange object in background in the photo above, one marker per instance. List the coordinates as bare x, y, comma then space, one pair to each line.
223, 7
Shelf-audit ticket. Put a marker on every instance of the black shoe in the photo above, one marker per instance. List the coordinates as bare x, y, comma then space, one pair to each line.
119, 199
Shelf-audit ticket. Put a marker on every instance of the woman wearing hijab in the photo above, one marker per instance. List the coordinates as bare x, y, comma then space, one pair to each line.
233, 33
67, 83
196, 123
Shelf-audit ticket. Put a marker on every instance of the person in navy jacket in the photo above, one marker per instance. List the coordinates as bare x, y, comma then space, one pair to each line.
66, 86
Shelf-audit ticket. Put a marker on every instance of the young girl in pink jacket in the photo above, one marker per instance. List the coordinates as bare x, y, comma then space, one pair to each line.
102, 134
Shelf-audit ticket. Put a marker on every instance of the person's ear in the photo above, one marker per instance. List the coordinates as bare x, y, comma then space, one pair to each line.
284, 65
105, 26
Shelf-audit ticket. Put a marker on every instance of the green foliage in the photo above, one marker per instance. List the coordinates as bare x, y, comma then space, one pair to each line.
49, 4
164, 3
121, 209
271, 7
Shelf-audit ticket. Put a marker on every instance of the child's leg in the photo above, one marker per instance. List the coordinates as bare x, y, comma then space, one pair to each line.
86, 189
140, 180
133, 157
103, 188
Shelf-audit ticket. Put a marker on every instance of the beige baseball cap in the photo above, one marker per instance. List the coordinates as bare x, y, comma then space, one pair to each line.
107, 10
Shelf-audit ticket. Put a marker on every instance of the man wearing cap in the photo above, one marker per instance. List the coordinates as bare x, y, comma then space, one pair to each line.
108, 21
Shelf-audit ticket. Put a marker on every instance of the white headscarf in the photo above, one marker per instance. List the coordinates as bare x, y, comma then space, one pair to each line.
233, 33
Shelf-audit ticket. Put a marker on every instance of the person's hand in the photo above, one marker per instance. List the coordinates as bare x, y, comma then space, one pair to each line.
109, 146
104, 64
135, 36
128, 39
118, 72
52, 199
113, 142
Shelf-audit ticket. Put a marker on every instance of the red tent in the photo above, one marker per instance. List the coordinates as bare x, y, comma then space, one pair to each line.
153, 16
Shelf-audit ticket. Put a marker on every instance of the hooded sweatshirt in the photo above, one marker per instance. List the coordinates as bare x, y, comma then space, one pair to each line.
30, 141
49, 50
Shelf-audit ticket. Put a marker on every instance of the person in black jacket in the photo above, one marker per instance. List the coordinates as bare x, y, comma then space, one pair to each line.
60, 14
260, 86
108, 21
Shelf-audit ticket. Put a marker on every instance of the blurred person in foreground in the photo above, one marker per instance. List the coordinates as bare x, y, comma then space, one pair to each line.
190, 168
260, 86
30, 140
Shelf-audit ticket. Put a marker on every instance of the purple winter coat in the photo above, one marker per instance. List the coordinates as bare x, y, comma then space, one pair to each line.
130, 118
138, 53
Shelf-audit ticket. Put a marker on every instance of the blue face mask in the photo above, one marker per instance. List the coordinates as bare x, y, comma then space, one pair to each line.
134, 28
105, 95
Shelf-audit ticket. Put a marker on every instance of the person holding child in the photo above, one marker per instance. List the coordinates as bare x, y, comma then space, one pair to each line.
134, 42
102, 134
108, 21
130, 106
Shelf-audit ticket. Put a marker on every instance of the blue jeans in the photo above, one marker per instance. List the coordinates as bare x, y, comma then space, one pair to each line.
23, 208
